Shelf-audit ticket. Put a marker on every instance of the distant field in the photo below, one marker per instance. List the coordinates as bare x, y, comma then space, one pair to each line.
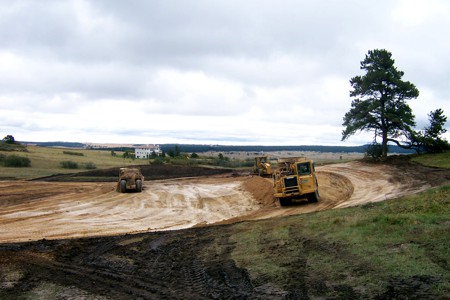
318, 157
45, 161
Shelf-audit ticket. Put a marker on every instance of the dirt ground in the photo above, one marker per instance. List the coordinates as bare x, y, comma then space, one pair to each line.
125, 261
54, 210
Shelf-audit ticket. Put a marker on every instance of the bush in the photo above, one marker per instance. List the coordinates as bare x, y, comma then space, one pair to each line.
73, 153
16, 161
374, 150
12, 147
90, 166
158, 161
68, 164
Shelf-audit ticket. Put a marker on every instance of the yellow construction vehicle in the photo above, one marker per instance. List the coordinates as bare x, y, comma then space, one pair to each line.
295, 177
263, 166
130, 179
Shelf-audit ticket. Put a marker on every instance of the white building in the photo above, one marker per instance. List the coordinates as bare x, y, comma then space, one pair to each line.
147, 151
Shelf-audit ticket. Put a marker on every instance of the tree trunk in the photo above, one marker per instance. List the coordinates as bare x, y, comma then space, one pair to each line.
384, 145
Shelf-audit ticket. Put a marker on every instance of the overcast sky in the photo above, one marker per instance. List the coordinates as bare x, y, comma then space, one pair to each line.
253, 72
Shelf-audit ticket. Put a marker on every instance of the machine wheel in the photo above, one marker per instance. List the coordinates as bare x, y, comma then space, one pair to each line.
139, 185
284, 201
313, 197
123, 186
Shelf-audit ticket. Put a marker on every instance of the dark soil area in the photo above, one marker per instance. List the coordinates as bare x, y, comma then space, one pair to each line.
431, 175
185, 264
150, 172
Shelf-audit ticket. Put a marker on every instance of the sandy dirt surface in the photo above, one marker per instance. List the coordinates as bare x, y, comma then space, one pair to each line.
93, 209
54, 210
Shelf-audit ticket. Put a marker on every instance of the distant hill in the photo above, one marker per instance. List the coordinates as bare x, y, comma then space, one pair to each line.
189, 148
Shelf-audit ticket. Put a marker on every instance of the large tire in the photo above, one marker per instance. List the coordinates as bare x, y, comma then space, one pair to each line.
123, 186
313, 197
285, 201
138, 185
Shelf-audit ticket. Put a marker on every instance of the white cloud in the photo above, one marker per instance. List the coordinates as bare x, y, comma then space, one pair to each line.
413, 13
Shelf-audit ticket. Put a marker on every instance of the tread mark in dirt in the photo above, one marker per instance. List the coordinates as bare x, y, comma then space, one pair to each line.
196, 277
123, 283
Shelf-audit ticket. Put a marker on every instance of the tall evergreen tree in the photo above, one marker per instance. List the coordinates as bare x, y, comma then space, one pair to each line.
380, 100
431, 138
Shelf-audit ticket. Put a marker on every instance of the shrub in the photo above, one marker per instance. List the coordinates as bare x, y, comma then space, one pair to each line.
158, 161
90, 166
16, 161
12, 147
374, 150
9, 139
73, 153
68, 164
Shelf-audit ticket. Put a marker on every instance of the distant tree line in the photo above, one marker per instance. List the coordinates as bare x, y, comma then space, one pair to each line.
58, 144
188, 148
176, 149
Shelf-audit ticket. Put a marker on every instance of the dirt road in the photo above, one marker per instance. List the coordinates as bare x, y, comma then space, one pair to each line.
54, 210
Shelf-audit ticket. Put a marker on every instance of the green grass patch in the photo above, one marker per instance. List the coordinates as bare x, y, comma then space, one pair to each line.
440, 160
45, 161
363, 247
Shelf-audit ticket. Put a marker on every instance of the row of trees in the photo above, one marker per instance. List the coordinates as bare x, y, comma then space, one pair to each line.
380, 106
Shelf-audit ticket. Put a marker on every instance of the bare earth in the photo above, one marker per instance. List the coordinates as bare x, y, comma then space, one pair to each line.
67, 240
33, 211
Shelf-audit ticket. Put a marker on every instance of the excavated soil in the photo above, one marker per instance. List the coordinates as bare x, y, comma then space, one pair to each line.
84, 240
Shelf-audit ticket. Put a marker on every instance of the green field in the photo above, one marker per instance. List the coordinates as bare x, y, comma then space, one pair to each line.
46, 161
439, 160
402, 241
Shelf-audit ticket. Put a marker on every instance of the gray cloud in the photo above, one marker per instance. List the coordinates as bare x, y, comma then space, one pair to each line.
231, 71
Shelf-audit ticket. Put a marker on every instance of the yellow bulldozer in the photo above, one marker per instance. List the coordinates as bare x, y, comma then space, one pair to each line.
295, 178
263, 166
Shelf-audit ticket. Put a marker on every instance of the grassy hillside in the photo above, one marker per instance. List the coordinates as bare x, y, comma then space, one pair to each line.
46, 161
440, 160
397, 248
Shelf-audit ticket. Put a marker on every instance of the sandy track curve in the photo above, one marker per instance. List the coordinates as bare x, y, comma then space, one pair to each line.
37, 210
93, 209
373, 183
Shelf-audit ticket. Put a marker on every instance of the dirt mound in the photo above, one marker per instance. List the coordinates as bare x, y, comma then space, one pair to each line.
261, 189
